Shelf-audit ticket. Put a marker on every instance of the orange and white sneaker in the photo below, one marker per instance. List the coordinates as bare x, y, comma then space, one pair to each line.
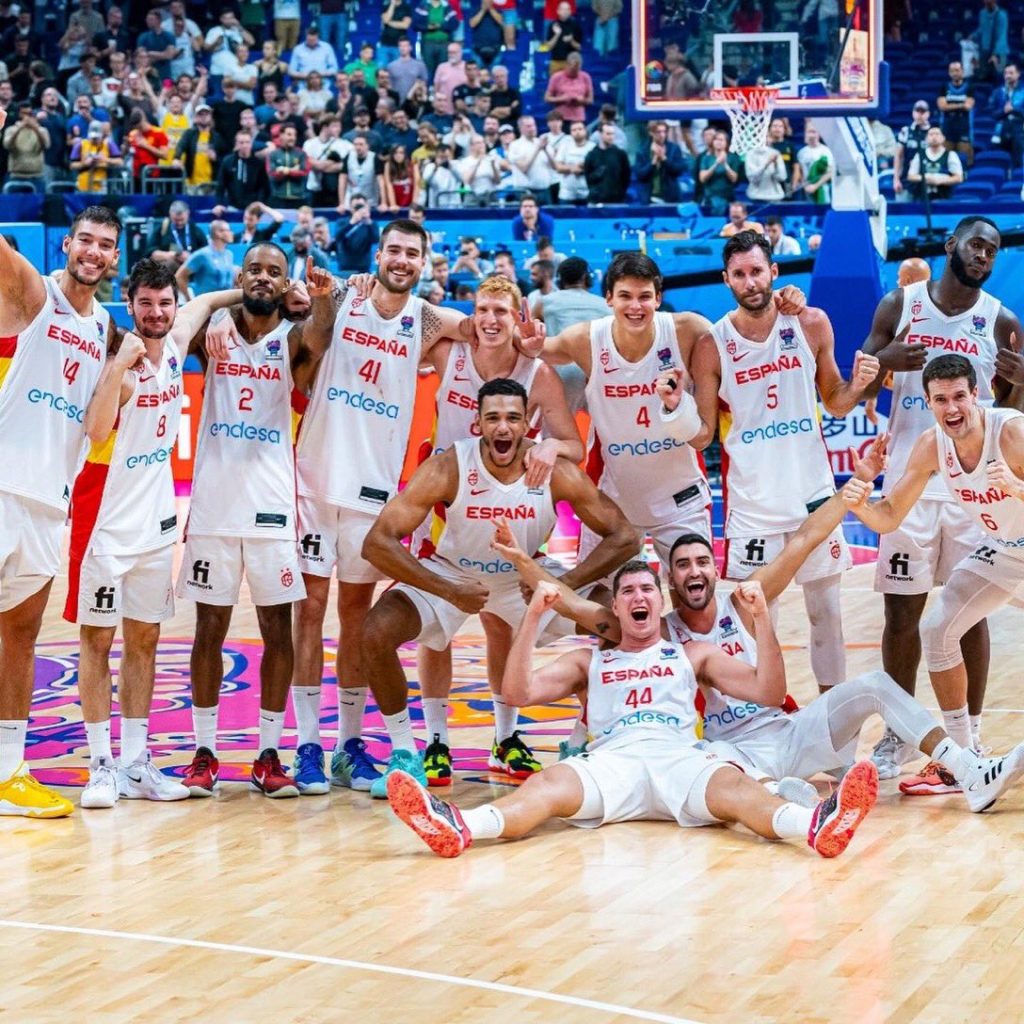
24, 796
933, 779
437, 823
838, 816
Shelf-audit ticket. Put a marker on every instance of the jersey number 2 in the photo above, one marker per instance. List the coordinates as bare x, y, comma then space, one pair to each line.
245, 400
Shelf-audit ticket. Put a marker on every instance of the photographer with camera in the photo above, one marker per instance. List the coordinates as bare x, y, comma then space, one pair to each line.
357, 238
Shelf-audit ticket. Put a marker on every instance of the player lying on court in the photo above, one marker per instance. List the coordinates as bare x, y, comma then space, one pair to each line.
978, 453
643, 762
785, 743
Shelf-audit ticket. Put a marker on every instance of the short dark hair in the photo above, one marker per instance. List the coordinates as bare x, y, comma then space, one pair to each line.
968, 222
746, 241
96, 215
633, 565
149, 273
544, 242
949, 367
573, 271
632, 264
501, 386
772, 220
685, 539
406, 227
545, 266
265, 244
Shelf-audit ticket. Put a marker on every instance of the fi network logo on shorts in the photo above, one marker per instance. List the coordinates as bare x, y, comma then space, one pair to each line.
201, 574
311, 545
103, 601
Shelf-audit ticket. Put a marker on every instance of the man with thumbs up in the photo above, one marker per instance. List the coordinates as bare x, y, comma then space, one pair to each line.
913, 325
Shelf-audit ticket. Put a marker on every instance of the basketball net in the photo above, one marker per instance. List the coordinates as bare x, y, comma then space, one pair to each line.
750, 111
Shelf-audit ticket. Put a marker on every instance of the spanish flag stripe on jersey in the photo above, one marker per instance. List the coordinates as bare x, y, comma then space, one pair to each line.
8, 346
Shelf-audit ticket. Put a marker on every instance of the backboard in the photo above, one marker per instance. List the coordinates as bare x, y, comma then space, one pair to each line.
827, 66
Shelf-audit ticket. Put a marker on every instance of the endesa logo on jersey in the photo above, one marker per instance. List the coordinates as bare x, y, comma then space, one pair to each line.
493, 567
647, 446
91, 349
961, 346
389, 346
243, 431
779, 428
250, 372
515, 512
155, 457
636, 675
363, 403
732, 715
781, 365
58, 403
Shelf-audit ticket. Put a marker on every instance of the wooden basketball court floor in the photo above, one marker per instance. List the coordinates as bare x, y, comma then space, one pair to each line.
241, 909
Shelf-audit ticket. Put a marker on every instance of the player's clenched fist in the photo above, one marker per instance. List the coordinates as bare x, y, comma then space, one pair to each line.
856, 492
1000, 475
865, 370
545, 597
751, 596
132, 349
669, 387
469, 596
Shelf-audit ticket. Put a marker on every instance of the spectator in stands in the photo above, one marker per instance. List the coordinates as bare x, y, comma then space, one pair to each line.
660, 166
957, 105
401, 179
147, 145
553, 139
766, 173
327, 153
505, 266
212, 267
718, 171
243, 74
302, 247
910, 139
175, 237
287, 19
314, 97
433, 292
440, 186
428, 143
84, 115
357, 238
608, 114
782, 244
506, 102
542, 280
437, 23
564, 36
993, 38
568, 162
50, 116
72, 46
471, 261
18, 65
531, 165
137, 95
113, 37
885, 144
406, 69
487, 24
571, 89
778, 139
400, 133
439, 276
492, 135
532, 223
544, 250
447, 77
606, 26
322, 237
174, 122
333, 20
227, 116
396, 21
78, 83
221, 40
363, 174
385, 89
817, 167
480, 172
270, 67
367, 64
312, 55
242, 175
93, 157
1007, 104
464, 94
198, 152
607, 170
159, 44
252, 231
737, 222
288, 169
935, 167
186, 46
284, 116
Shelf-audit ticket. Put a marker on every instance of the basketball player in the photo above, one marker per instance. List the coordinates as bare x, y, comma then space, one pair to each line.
643, 763
477, 481
758, 374
242, 516
927, 319
124, 527
364, 392
655, 478
54, 337
463, 369
978, 454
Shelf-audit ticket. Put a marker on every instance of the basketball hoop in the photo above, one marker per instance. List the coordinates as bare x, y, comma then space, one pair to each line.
750, 111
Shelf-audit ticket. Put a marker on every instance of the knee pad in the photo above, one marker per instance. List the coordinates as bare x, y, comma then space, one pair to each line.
940, 640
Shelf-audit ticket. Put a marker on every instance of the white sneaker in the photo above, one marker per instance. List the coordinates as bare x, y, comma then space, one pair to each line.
890, 753
101, 790
142, 780
985, 778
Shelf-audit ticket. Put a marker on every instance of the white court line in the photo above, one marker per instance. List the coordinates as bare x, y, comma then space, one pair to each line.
356, 965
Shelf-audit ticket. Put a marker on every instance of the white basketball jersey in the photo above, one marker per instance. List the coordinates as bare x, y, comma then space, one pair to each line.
456, 395
244, 480
970, 334
999, 514
469, 523
355, 430
650, 475
775, 463
123, 499
48, 374
726, 718
649, 694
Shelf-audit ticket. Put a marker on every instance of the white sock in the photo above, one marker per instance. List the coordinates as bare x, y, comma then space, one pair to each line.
976, 732
306, 701
351, 705
134, 739
204, 722
271, 727
485, 822
400, 730
12, 746
949, 754
958, 726
98, 734
791, 821
506, 718
435, 718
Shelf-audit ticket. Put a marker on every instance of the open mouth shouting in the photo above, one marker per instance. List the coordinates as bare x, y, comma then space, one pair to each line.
502, 446
695, 590
640, 616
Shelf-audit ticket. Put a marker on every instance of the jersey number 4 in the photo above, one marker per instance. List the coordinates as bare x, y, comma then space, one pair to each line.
637, 697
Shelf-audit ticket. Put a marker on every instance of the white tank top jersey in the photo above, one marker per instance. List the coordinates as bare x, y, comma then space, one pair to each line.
123, 499
456, 394
972, 335
649, 694
775, 466
465, 541
355, 430
726, 718
650, 475
48, 374
999, 514
244, 481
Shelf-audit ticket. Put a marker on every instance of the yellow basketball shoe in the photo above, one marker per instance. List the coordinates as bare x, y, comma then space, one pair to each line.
26, 797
